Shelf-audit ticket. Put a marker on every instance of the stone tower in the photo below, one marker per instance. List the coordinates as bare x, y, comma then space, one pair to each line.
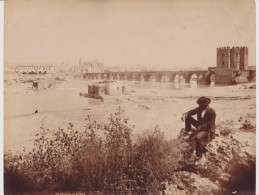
223, 57
244, 58
236, 58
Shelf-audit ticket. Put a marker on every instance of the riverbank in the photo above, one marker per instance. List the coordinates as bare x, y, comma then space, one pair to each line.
145, 106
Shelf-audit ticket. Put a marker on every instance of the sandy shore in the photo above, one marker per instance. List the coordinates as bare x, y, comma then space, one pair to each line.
144, 105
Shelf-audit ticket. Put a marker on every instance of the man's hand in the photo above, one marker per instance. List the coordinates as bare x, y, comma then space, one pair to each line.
199, 129
184, 116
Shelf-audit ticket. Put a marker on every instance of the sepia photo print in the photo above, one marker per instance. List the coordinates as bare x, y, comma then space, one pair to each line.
129, 97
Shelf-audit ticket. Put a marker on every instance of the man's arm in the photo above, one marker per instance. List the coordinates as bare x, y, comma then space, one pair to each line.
190, 113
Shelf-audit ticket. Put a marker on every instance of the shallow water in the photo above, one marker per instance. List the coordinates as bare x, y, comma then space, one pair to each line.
158, 85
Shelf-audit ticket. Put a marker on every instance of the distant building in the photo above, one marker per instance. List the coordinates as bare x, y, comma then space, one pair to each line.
87, 67
36, 69
236, 58
9, 69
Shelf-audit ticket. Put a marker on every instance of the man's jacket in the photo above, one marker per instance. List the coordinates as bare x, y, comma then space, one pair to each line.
207, 123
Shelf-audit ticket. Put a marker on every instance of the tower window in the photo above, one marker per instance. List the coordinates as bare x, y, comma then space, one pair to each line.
223, 63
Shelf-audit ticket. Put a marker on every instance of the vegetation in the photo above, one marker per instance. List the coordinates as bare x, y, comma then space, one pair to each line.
70, 160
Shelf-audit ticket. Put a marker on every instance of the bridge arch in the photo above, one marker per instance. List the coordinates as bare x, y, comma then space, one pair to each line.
208, 78
159, 77
202, 79
152, 78
165, 78
142, 78
191, 75
172, 77
147, 77
103, 76
86, 77
200, 76
116, 76
186, 74
98, 76
122, 76
176, 78
110, 76
182, 77
131, 77
139, 77
182, 81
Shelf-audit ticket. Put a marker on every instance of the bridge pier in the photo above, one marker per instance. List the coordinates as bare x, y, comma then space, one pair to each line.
124, 78
134, 77
193, 81
176, 82
212, 80
110, 77
141, 78
166, 78
116, 77
182, 81
152, 78
103, 76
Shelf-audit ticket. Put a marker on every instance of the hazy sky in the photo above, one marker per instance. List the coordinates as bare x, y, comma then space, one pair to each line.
175, 33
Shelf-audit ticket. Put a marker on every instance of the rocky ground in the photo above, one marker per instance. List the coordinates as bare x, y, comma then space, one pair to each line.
227, 167
147, 106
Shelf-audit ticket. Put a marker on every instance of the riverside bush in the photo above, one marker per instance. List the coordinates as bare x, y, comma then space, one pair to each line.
71, 160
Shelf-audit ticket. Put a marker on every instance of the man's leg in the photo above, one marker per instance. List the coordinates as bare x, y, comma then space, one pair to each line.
189, 121
201, 142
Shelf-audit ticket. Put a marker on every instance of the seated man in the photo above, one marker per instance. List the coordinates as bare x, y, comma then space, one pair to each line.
205, 125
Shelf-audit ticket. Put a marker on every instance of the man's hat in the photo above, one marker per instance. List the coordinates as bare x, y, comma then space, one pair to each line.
203, 101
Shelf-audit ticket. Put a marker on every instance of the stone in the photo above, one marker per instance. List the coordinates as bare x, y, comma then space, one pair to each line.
180, 186
224, 177
185, 180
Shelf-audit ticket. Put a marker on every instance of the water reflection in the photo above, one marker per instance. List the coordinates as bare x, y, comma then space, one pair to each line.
159, 85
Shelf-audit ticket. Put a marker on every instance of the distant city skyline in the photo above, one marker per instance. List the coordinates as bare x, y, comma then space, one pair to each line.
166, 34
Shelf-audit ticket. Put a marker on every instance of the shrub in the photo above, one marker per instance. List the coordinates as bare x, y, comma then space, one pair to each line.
70, 160
152, 160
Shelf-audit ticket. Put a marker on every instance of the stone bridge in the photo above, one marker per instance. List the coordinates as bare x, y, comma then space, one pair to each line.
201, 76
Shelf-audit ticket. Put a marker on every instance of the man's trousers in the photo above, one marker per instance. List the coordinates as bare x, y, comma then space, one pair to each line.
200, 139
